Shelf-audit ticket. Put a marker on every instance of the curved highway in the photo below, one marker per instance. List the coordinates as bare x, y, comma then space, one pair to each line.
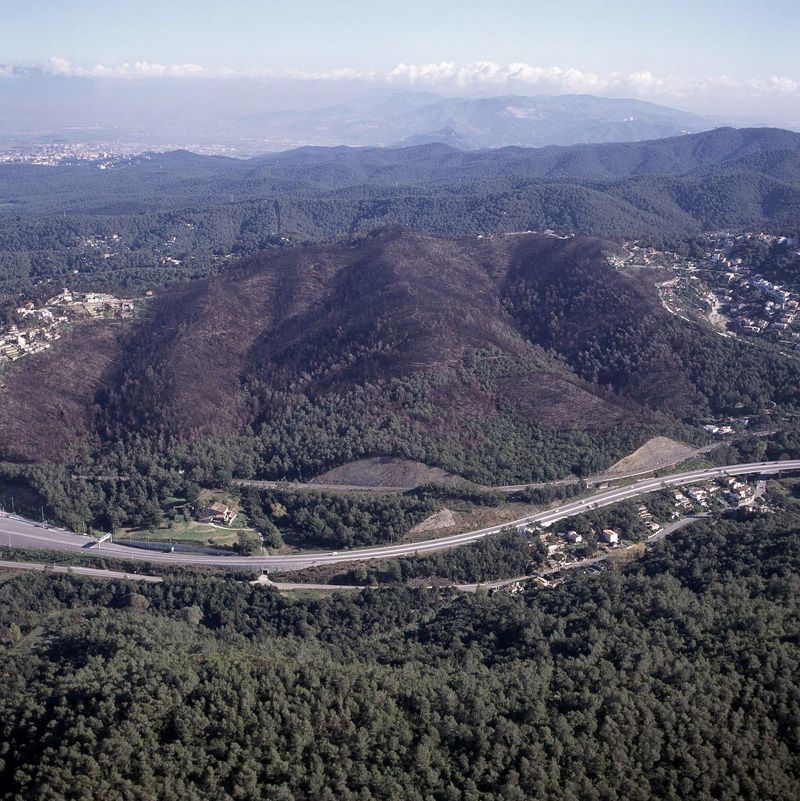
19, 532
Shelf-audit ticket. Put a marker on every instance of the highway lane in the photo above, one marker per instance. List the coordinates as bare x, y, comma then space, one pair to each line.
94, 572
24, 533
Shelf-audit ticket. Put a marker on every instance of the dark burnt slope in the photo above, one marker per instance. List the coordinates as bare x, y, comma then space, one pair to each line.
326, 320
442, 336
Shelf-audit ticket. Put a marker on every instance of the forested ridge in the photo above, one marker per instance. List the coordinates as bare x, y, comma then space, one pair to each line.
676, 678
176, 216
503, 360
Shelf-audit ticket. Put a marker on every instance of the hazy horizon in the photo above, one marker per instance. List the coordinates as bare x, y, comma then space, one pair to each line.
247, 116
94, 65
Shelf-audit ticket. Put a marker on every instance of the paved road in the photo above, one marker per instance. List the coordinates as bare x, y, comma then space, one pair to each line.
678, 524
27, 534
80, 571
497, 583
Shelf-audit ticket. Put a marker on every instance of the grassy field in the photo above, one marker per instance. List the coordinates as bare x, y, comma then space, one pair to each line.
194, 532
205, 535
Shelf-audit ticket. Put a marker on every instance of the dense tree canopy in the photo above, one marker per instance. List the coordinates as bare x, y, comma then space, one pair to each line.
674, 679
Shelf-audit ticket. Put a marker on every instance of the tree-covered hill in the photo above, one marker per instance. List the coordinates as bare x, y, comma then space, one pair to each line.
179, 215
676, 678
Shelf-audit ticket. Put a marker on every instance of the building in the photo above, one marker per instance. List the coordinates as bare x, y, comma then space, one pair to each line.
63, 298
217, 513
697, 495
608, 535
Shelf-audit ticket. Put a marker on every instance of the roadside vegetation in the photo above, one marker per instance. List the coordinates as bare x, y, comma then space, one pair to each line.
630, 684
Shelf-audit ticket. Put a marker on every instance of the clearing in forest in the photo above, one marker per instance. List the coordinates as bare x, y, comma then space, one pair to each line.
655, 454
382, 471
444, 518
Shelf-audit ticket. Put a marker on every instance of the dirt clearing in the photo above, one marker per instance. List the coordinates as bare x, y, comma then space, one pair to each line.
655, 454
444, 518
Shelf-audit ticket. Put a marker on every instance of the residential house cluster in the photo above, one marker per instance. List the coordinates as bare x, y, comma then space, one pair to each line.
92, 304
720, 287
37, 327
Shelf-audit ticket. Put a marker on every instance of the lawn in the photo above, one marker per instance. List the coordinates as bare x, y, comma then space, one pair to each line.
201, 534
194, 532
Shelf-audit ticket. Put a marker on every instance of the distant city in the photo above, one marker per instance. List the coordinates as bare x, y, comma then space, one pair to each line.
103, 154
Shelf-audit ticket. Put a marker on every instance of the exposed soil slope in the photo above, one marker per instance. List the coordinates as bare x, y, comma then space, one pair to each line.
381, 471
654, 454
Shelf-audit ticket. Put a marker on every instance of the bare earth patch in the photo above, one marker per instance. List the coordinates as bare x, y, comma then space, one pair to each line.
382, 471
470, 519
444, 518
655, 454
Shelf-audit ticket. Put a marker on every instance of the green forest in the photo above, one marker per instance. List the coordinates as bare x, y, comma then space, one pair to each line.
675, 678
179, 215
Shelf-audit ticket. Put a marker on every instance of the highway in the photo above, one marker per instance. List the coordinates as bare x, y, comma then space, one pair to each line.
19, 532
94, 572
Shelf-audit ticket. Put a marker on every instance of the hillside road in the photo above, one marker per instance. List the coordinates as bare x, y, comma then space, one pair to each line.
19, 532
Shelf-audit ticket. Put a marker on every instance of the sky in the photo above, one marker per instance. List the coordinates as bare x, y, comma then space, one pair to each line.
741, 38
703, 55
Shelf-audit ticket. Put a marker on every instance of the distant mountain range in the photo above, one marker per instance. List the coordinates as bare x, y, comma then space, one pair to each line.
178, 178
492, 122
725, 178
236, 118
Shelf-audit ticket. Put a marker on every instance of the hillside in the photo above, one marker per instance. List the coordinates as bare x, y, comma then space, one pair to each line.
148, 221
47, 406
674, 678
498, 359
399, 345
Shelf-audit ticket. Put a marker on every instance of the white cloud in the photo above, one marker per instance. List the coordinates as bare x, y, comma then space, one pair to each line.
138, 69
489, 75
479, 76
